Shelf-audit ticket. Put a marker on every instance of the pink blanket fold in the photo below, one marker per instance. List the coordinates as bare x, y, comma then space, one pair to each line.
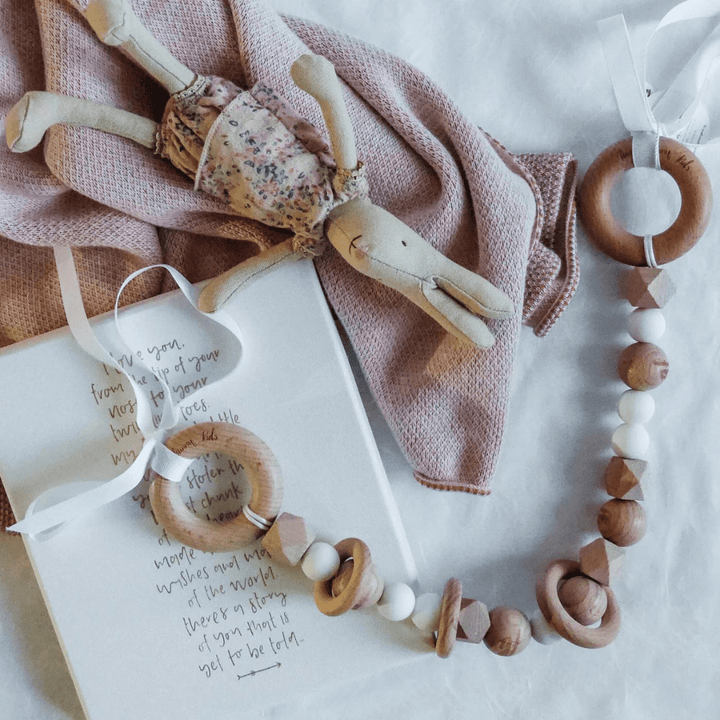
511, 218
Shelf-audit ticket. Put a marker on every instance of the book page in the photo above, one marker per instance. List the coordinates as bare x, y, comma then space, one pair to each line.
150, 627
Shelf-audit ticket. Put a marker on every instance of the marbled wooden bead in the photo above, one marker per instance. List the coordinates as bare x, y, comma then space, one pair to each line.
584, 599
601, 560
622, 522
636, 406
624, 478
426, 615
647, 287
630, 441
288, 539
320, 562
646, 324
397, 601
643, 366
509, 632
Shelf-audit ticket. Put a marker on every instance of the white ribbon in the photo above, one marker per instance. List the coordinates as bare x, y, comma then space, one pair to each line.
665, 111
57, 506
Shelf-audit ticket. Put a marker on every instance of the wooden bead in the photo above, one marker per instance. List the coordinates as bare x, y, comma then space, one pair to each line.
643, 366
397, 602
624, 478
647, 287
449, 613
473, 621
358, 586
509, 632
546, 592
372, 588
601, 560
288, 539
622, 522
584, 599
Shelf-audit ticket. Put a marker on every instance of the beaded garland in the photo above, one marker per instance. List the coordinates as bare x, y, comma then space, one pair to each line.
573, 596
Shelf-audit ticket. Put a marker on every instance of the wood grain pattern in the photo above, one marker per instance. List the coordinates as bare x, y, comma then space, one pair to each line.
509, 632
601, 560
449, 614
546, 592
622, 522
613, 239
361, 583
261, 471
643, 366
584, 599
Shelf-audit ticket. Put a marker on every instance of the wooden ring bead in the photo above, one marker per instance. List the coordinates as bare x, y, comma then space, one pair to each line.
262, 472
449, 616
549, 603
371, 590
611, 238
355, 589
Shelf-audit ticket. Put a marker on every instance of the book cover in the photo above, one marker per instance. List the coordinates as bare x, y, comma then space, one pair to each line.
151, 628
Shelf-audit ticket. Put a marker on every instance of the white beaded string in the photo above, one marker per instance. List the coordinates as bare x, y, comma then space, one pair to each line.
649, 252
257, 520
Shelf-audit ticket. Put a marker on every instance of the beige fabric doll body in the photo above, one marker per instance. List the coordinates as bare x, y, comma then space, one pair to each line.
253, 151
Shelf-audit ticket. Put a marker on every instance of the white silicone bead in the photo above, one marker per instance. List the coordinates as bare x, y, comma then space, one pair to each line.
636, 407
542, 630
646, 325
321, 561
426, 615
631, 441
397, 601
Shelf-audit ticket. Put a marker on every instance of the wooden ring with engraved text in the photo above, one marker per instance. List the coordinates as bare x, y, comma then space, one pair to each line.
609, 236
261, 470
549, 603
354, 591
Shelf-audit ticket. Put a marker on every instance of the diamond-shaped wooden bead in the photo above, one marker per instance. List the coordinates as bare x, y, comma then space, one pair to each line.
473, 621
624, 478
647, 287
601, 560
288, 539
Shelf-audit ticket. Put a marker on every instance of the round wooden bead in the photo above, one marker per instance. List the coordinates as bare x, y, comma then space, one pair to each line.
509, 632
646, 324
643, 366
631, 441
636, 406
320, 562
622, 522
542, 631
397, 601
584, 599
426, 615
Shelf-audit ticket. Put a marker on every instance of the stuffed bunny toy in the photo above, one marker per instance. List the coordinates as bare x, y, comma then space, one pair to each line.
254, 152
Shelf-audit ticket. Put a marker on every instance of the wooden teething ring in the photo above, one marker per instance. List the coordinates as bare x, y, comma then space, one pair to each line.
449, 616
353, 591
606, 232
261, 469
546, 592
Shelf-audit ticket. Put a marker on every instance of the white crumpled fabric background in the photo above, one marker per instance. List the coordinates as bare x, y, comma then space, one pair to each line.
533, 75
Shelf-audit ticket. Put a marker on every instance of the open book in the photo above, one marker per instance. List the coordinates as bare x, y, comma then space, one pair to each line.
151, 628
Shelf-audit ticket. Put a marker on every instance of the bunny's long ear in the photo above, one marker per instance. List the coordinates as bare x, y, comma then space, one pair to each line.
28, 120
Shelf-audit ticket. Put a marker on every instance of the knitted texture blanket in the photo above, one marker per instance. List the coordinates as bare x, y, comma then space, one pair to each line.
510, 218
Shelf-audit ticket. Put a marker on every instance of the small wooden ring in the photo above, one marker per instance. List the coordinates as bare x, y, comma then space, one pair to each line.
261, 469
354, 590
546, 592
606, 232
449, 616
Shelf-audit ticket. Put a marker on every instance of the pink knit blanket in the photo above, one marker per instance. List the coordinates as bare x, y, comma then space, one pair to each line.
511, 218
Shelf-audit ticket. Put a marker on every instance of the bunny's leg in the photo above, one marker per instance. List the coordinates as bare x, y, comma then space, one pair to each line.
115, 23
316, 76
27, 122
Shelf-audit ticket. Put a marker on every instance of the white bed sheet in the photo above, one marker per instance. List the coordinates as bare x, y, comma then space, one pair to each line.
533, 75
